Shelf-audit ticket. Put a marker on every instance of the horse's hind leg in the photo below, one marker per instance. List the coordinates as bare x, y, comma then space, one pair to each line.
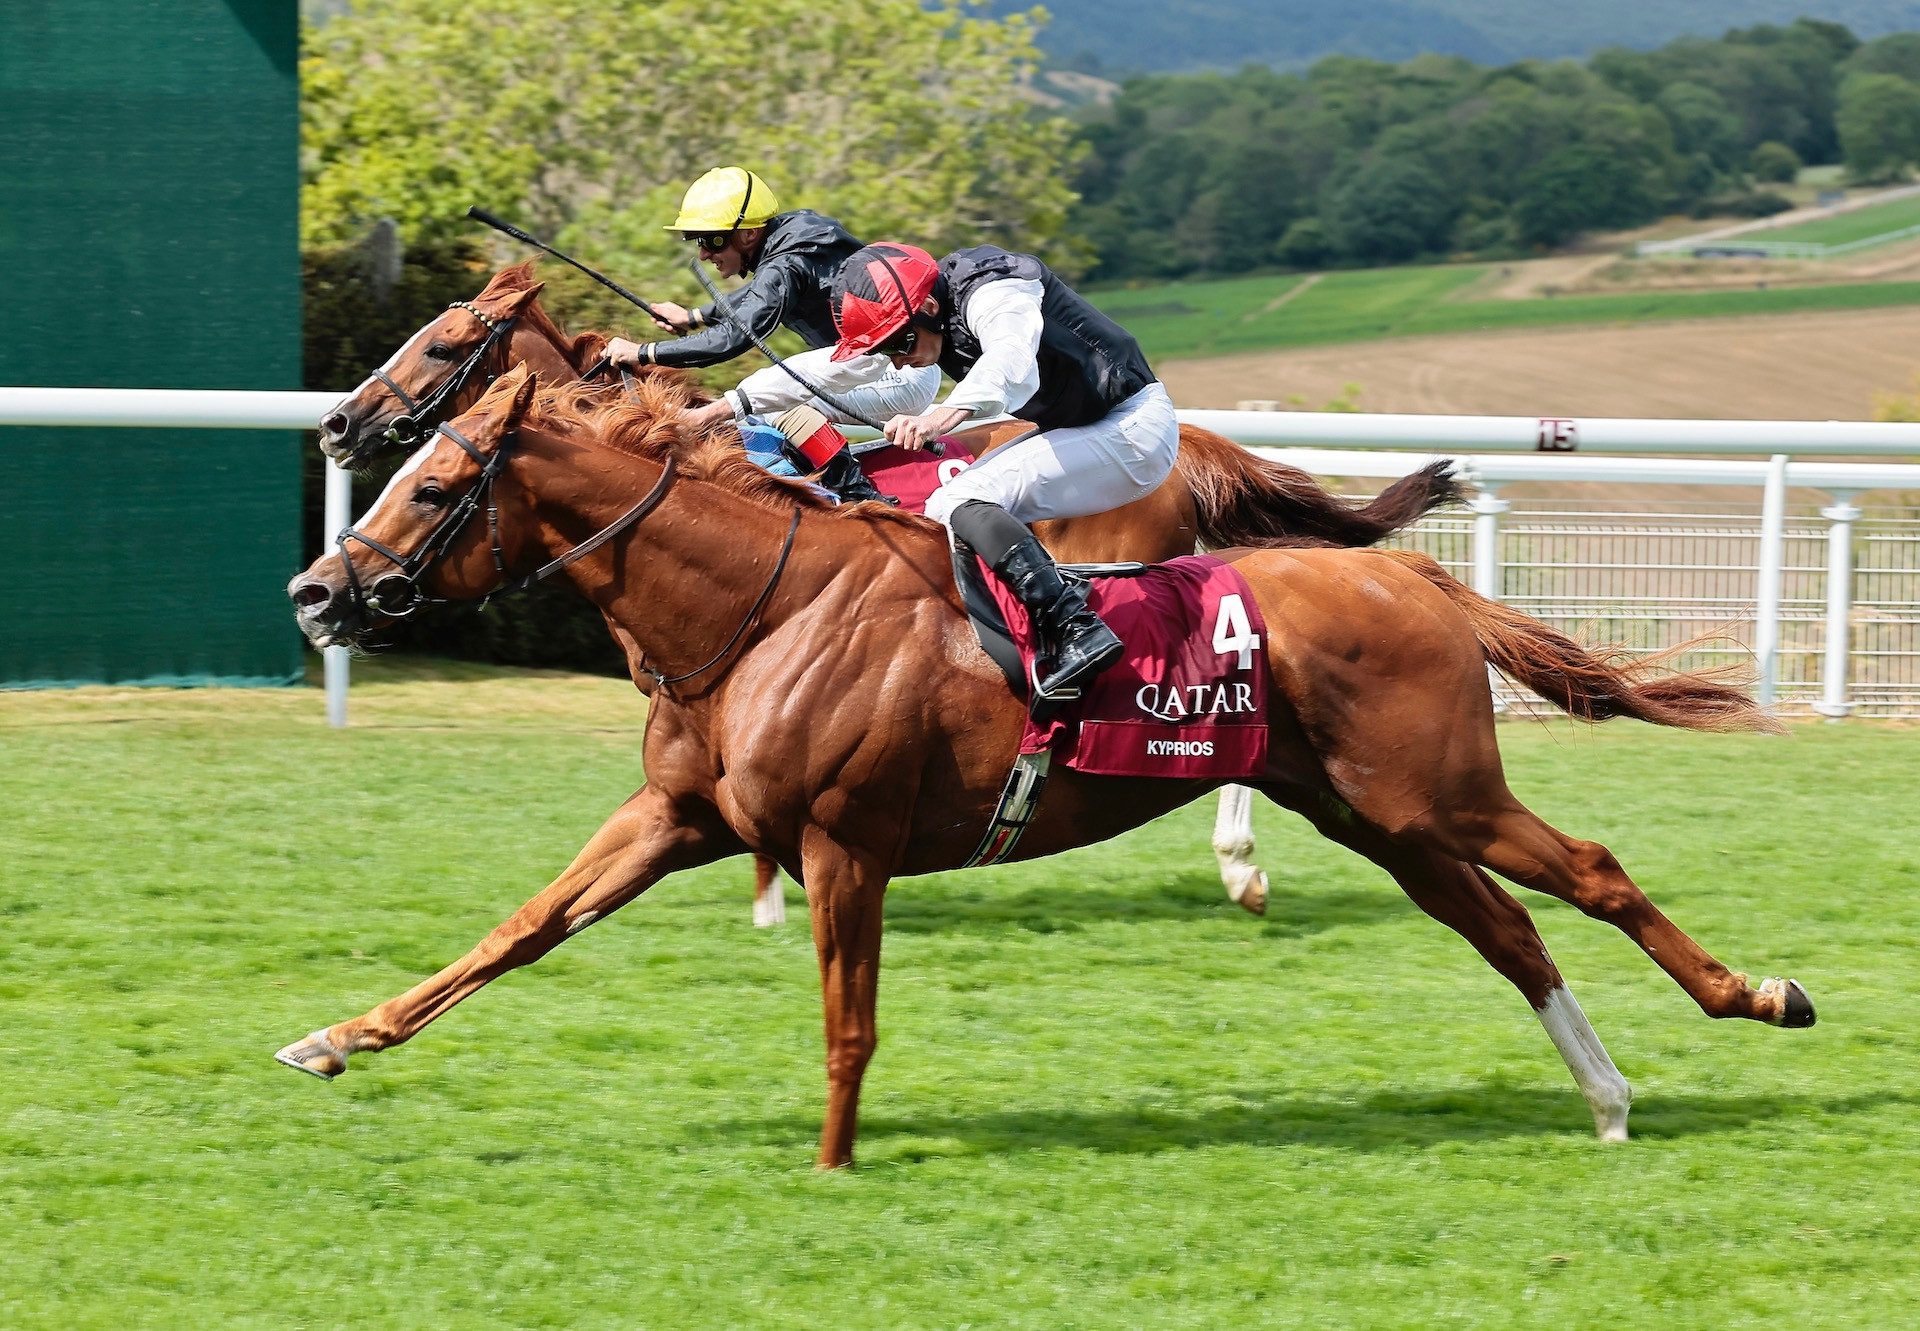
1466, 900
647, 839
769, 898
1522, 846
1233, 847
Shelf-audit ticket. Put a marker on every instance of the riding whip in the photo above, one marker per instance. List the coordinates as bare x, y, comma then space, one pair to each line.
499, 224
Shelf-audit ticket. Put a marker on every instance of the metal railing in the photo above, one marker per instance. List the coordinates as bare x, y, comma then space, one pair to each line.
1823, 599
1827, 600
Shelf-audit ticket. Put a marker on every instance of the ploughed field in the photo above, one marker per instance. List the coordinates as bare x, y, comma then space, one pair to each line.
1824, 366
1221, 317
1103, 1097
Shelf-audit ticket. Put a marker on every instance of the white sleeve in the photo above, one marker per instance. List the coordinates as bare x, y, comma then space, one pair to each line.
1005, 317
770, 390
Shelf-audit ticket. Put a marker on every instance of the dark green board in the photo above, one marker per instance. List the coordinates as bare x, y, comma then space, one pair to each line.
149, 238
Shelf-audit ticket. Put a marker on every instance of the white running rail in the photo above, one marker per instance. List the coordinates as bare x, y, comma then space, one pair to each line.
1844, 623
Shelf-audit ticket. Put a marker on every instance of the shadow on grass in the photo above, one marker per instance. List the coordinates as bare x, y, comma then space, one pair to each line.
1192, 898
1388, 1121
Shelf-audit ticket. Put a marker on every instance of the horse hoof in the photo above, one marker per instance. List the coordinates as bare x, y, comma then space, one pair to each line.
1610, 1122
315, 1055
1252, 896
1796, 1009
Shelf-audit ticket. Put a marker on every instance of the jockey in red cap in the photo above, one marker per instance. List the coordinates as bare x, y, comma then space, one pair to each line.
1017, 341
734, 221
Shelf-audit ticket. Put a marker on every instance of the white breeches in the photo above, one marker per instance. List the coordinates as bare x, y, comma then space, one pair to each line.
1076, 470
908, 392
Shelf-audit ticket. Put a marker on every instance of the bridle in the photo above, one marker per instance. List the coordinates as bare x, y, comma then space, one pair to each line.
397, 595
411, 428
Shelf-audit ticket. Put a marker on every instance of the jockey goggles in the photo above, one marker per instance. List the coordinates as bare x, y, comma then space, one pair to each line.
903, 342
708, 242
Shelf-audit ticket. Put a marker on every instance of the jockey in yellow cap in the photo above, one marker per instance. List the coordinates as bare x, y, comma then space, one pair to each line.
733, 219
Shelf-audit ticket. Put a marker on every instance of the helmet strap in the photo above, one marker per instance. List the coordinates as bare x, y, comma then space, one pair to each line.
746, 198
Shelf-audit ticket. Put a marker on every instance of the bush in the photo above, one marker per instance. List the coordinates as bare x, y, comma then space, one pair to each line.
1305, 245
1754, 203
1483, 235
1774, 163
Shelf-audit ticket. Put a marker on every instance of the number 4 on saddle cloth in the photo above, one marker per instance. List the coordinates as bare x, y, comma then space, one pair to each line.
1187, 699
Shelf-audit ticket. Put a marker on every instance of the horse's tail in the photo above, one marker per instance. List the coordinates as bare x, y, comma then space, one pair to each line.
1241, 499
1589, 685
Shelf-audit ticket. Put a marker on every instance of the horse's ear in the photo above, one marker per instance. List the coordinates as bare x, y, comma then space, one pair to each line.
522, 394
512, 302
503, 404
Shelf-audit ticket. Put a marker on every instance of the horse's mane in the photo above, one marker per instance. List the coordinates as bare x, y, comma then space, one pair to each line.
582, 349
650, 423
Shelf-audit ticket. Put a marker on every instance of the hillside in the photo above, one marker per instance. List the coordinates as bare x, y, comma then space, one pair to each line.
1118, 36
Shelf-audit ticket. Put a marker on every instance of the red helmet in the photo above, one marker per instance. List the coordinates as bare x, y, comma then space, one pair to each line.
877, 292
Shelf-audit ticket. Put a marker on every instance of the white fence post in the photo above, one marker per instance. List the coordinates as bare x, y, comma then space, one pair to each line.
1487, 508
339, 514
1773, 544
1842, 514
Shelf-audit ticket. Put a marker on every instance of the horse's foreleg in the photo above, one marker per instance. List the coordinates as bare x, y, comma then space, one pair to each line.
1233, 847
769, 899
650, 837
845, 893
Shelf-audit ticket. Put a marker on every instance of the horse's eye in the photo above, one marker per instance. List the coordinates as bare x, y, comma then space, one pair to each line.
430, 495
439, 351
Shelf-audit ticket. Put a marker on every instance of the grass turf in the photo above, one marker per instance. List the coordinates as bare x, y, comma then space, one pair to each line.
1103, 1096
1179, 319
1844, 228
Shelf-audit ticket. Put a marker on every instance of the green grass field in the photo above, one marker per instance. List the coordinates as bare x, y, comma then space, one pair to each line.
1845, 228
1104, 1097
1179, 319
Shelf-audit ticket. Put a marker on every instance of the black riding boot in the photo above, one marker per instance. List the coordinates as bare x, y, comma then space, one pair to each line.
843, 476
1079, 643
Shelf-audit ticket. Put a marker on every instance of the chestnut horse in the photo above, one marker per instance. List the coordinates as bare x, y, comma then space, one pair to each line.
1219, 495
716, 577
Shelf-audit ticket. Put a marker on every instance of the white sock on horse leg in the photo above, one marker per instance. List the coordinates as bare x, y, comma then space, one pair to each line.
1606, 1091
1233, 846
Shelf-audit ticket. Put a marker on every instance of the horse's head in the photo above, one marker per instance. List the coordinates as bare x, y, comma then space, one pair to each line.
441, 371
420, 541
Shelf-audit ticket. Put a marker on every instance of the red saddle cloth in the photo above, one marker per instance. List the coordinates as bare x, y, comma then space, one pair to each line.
1189, 696
912, 475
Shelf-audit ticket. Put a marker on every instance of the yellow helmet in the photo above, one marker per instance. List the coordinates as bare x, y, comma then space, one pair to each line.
726, 199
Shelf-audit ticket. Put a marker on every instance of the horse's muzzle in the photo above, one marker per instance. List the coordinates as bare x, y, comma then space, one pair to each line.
325, 613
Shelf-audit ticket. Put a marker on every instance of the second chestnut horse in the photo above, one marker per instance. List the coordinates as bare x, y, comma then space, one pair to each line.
715, 577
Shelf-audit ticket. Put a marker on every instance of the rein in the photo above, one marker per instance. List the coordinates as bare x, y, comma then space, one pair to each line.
377, 596
753, 613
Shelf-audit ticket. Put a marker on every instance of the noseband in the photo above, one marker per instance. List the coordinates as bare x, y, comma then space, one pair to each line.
411, 428
396, 595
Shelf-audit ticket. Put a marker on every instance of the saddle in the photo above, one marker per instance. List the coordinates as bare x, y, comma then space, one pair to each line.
990, 624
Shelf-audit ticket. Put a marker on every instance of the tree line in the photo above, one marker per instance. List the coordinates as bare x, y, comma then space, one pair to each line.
1363, 162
